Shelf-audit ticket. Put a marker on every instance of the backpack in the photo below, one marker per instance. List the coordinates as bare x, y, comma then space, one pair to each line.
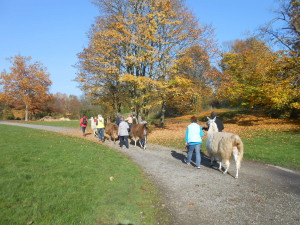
84, 122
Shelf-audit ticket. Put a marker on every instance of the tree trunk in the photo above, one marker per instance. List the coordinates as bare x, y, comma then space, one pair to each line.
162, 116
26, 112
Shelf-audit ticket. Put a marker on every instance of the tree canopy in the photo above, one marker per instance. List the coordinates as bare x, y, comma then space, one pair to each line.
26, 85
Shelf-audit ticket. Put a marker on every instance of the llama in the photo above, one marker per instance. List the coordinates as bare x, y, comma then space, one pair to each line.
111, 130
93, 127
222, 145
140, 132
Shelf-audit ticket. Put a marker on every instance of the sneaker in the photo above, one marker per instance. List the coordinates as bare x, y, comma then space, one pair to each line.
198, 167
186, 162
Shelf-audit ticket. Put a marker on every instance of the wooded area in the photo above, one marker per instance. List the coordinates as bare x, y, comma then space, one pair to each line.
153, 58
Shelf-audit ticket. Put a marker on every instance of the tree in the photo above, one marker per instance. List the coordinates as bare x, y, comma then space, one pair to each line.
255, 76
27, 84
133, 43
284, 29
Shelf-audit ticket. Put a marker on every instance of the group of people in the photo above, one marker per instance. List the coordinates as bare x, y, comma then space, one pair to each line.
193, 135
99, 125
124, 126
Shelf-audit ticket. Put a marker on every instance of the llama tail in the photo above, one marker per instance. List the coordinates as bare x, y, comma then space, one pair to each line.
237, 142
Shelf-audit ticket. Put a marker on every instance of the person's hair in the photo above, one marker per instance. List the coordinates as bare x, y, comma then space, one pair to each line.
213, 114
194, 119
143, 118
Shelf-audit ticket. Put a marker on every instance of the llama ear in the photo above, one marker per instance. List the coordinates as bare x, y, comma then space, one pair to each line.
214, 119
208, 118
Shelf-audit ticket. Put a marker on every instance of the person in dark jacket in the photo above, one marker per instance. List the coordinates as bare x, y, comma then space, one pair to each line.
218, 121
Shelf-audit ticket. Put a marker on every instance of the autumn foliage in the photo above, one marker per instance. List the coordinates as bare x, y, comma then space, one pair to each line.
26, 85
134, 52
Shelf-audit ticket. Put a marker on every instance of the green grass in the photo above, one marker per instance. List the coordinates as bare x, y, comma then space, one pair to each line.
47, 178
280, 148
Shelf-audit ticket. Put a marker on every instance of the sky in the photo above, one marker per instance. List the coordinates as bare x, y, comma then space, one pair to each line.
53, 32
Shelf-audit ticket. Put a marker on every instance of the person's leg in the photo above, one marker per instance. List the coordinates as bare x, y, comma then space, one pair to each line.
102, 134
83, 130
99, 133
121, 141
198, 155
190, 153
126, 141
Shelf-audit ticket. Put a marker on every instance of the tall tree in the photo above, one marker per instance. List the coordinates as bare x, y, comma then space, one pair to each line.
138, 42
284, 29
28, 83
255, 76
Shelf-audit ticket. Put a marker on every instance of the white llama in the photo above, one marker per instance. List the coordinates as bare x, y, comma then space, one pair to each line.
93, 127
222, 145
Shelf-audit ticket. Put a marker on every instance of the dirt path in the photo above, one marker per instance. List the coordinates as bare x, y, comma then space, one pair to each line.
263, 194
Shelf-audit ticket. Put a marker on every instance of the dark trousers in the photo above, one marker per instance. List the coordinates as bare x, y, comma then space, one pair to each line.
124, 141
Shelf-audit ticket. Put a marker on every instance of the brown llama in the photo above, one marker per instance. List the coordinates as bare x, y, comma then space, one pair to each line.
139, 132
111, 130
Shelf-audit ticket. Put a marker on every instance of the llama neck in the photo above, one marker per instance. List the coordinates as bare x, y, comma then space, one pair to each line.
212, 128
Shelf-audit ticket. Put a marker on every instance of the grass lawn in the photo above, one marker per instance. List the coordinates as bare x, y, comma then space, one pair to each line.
47, 178
280, 148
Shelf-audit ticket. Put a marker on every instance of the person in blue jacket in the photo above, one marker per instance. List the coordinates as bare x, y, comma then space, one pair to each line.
193, 141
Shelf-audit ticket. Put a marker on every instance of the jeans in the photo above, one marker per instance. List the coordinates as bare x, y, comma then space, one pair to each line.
124, 141
100, 134
83, 130
190, 154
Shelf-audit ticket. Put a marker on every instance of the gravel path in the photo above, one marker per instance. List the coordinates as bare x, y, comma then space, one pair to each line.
263, 194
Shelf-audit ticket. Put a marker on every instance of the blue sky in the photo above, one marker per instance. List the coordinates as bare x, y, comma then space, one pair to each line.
54, 31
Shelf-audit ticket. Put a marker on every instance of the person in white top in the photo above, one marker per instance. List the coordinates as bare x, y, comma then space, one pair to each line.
123, 133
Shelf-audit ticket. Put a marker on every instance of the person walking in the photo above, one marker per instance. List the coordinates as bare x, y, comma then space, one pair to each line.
123, 133
100, 127
193, 141
83, 124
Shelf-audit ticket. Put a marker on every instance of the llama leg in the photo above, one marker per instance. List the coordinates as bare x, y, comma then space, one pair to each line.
211, 161
227, 164
220, 166
145, 141
237, 162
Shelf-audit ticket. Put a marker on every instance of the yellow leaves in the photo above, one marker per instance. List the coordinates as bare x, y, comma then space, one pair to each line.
295, 105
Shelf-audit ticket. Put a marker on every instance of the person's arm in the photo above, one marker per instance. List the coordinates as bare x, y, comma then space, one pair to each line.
186, 136
201, 132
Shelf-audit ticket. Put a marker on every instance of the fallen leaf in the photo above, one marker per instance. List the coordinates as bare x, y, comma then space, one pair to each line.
191, 203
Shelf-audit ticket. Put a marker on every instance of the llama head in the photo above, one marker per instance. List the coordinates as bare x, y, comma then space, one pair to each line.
212, 125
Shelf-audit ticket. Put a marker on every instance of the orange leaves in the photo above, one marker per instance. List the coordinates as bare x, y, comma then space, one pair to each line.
257, 76
27, 82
